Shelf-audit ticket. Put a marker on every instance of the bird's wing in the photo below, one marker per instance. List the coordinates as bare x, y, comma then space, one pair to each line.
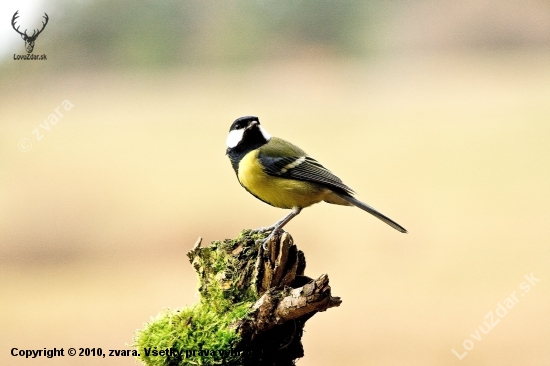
295, 164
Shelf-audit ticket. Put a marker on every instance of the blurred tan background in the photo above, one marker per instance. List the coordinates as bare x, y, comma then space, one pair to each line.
436, 113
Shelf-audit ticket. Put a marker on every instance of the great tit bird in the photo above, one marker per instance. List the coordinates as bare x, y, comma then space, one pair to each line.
283, 175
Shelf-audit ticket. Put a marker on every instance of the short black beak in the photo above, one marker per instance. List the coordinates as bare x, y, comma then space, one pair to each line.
251, 125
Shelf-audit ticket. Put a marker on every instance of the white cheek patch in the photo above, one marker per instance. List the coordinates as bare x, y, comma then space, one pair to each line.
234, 138
267, 136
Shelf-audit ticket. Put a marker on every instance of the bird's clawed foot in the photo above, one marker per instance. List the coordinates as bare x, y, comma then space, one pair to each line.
277, 228
272, 232
271, 236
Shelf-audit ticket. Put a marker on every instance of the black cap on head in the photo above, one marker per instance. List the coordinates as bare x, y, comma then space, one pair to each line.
243, 122
245, 135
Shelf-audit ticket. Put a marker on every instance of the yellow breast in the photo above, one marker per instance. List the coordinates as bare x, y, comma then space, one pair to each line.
277, 191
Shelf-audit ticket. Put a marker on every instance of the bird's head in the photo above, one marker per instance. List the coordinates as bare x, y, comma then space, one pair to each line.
246, 133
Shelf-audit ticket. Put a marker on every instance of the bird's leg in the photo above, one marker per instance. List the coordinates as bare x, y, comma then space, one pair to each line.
279, 225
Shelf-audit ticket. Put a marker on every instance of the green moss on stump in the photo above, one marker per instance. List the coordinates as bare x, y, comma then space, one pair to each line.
224, 270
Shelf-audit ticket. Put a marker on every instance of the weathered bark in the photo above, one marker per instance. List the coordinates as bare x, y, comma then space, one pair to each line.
271, 334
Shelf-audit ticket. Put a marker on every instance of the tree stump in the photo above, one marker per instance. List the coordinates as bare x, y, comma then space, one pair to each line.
252, 309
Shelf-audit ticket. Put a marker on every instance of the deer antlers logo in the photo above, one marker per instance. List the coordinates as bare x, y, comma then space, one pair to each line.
29, 40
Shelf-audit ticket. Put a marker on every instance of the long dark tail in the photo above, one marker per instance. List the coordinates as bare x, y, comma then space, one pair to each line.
372, 211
